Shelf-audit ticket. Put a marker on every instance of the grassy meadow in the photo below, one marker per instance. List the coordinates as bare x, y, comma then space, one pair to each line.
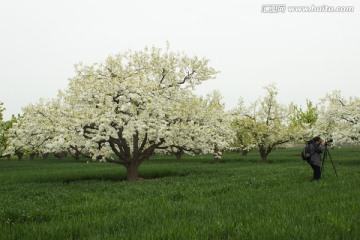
240, 198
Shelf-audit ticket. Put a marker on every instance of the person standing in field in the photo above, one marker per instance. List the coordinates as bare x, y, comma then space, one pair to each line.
316, 148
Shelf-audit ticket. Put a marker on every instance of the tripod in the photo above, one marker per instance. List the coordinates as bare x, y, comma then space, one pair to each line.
326, 154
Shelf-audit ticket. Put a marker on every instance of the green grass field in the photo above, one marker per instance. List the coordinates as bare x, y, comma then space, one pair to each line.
240, 198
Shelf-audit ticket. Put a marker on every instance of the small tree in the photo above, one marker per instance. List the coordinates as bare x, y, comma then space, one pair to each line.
243, 140
4, 132
267, 122
306, 119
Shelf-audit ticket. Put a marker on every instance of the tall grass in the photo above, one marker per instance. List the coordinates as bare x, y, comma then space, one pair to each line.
240, 198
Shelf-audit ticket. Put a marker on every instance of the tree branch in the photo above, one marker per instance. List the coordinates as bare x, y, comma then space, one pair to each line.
163, 76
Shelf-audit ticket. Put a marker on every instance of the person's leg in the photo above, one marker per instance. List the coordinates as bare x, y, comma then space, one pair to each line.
313, 167
317, 172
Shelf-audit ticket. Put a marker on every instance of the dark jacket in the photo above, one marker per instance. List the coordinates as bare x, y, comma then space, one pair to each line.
315, 151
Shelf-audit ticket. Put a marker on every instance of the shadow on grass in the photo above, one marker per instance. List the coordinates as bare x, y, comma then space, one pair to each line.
120, 177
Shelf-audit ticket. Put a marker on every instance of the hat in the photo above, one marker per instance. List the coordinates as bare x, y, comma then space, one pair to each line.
317, 138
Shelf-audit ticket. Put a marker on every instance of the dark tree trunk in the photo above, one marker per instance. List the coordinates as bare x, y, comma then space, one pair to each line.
139, 153
264, 153
32, 156
217, 159
133, 171
19, 155
60, 155
178, 157
76, 155
45, 155
245, 152
263, 157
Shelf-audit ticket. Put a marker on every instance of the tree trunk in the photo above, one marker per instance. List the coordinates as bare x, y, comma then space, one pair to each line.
32, 156
217, 154
245, 152
45, 155
133, 171
178, 157
264, 153
217, 157
19, 155
76, 155
60, 155
132, 161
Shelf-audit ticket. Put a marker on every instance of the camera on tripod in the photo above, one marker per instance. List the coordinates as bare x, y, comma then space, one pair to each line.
329, 140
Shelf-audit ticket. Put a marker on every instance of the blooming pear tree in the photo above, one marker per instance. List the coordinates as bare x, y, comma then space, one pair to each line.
340, 118
267, 122
37, 130
129, 106
242, 138
120, 111
205, 129
188, 133
2, 130
2, 109
5, 127
217, 124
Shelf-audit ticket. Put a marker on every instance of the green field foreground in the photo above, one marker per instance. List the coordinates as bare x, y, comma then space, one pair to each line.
240, 198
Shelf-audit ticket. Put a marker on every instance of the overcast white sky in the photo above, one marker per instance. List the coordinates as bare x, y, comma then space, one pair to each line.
306, 54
